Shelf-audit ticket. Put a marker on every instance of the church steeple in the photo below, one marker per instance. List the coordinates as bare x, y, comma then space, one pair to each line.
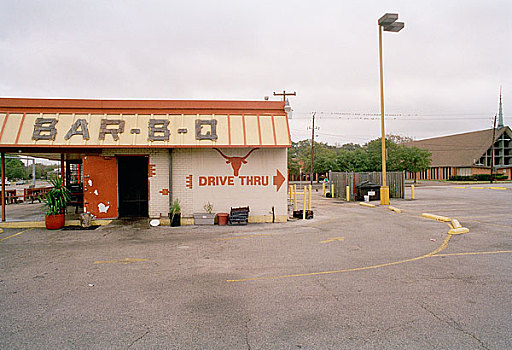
500, 120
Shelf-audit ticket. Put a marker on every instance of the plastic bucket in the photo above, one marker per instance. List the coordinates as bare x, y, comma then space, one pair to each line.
222, 218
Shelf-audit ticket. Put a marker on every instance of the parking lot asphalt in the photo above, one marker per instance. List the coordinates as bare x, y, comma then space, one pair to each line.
352, 277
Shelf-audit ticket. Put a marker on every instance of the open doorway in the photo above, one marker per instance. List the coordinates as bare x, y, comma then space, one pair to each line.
132, 173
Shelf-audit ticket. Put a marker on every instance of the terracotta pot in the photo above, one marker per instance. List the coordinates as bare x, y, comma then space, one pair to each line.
54, 222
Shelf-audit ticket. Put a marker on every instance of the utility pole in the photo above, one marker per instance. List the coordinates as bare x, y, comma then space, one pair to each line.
312, 149
284, 94
492, 147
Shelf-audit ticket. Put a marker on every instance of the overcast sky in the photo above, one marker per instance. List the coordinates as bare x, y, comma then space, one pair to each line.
442, 72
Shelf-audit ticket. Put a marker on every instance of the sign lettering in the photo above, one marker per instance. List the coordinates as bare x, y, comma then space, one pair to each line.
158, 130
44, 129
74, 130
114, 131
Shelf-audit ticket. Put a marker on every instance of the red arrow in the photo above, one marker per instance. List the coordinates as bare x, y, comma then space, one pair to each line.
278, 180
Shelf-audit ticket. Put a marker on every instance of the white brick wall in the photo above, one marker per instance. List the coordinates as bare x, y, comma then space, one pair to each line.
181, 167
206, 162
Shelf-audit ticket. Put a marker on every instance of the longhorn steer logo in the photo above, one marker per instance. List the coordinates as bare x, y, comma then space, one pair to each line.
236, 162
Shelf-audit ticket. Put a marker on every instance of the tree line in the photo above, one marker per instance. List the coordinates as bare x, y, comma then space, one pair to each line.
16, 169
352, 157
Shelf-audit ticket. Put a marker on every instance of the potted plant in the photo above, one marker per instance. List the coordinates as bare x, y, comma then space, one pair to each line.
175, 213
56, 201
207, 218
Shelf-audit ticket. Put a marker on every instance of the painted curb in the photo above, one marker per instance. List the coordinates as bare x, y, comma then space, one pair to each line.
41, 224
454, 224
436, 217
367, 204
396, 210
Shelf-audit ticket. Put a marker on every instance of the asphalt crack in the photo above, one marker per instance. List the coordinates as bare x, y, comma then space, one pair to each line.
139, 338
455, 325
247, 334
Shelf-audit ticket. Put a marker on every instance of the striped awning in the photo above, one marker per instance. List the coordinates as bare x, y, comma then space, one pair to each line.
46, 123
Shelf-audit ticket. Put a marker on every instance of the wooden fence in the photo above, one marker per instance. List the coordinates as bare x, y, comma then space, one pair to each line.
395, 181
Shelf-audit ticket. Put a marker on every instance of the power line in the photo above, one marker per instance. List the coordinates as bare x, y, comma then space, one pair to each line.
393, 116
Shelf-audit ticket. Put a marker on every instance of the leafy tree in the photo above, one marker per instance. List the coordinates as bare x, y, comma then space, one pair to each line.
353, 161
15, 169
352, 157
413, 159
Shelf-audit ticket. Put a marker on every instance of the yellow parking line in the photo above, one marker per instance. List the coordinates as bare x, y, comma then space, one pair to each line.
441, 247
474, 253
249, 236
333, 239
14, 235
121, 261
498, 188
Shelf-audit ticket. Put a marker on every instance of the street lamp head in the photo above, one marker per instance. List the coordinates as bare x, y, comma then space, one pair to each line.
387, 19
389, 24
394, 27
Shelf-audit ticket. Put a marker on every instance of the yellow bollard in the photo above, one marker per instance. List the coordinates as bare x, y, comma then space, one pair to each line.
304, 205
332, 191
347, 191
291, 193
323, 189
412, 191
309, 201
295, 197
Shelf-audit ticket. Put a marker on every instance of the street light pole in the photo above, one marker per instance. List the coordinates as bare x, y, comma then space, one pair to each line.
387, 23
384, 189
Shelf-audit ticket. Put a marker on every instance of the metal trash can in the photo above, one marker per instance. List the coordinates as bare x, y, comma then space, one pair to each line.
367, 188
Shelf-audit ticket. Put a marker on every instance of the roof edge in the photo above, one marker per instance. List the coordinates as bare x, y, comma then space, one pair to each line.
40, 104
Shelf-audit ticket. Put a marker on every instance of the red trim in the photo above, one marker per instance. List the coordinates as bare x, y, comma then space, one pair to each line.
229, 129
274, 130
259, 129
243, 128
3, 126
32, 105
21, 127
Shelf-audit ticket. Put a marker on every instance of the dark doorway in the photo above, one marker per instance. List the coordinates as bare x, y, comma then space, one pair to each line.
133, 186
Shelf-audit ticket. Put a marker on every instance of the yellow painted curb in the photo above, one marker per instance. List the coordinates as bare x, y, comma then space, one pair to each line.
456, 223
396, 210
367, 204
22, 224
436, 217
41, 224
477, 188
458, 231
498, 188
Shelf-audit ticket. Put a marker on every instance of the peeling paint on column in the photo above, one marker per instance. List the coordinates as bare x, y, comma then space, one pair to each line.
102, 208
95, 192
89, 182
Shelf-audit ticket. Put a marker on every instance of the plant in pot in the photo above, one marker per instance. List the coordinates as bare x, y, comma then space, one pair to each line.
206, 218
175, 213
56, 201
